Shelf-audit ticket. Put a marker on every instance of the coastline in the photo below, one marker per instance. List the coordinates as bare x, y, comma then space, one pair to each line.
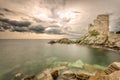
102, 47
68, 41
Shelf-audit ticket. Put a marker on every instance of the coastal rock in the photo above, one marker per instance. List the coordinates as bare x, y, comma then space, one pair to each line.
46, 75
18, 76
115, 75
92, 40
55, 74
32, 77
51, 74
89, 68
112, 68
65, 41
52, 42
67, 75
112, 72
83, 76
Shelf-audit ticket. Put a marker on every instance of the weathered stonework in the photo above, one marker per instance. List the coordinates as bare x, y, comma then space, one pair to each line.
101, 25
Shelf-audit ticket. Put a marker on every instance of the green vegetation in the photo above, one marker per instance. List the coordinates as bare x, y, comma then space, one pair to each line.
94, 33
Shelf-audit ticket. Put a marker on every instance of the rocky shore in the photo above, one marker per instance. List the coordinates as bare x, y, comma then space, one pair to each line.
112, 72
62, 41
92, 41
105, 42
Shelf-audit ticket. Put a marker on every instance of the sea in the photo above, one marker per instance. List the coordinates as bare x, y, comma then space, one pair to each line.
31, 56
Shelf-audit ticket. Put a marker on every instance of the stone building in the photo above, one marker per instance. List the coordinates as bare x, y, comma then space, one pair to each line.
100, 24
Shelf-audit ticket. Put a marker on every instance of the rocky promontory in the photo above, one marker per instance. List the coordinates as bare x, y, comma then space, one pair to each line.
98, 35
62, 41
105, 42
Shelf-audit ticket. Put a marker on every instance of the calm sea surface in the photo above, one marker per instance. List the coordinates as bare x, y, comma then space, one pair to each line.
33, 56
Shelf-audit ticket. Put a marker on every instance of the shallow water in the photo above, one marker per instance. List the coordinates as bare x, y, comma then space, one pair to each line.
33, 56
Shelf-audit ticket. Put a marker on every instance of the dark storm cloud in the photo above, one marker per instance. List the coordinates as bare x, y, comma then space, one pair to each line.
88, 9
1, 14
2, 29
54, 31
37, 29
20, 26
16, 23
20, 23
54, 26
20, 29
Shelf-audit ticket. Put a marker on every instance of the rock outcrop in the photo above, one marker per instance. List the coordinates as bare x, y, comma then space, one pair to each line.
62, 41
112, 72
99, 35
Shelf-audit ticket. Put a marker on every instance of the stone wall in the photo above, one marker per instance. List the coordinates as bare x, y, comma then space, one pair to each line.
101, 24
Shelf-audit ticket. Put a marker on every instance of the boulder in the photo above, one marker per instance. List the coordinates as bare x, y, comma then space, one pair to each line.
51, 74
115, 75
67, 75
115, 66
83, 76
52, 42
55, 74
46, 75
112, 72
32, 77
65, 41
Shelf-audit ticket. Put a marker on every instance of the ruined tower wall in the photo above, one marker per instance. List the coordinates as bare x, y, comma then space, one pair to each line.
101, 24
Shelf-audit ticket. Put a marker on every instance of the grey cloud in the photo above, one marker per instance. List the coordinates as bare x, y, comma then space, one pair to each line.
54, 26
16, 23
6, 10
37, 20
88, 9
20, 23
37, 29
5, 26
1, 14
2, 29
20, 29
54, 31
54, 6
19, 26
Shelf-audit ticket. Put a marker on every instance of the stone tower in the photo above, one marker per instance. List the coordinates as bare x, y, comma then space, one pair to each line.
101, 24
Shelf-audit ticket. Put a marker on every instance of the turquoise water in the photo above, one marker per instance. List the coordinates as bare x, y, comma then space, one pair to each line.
33, 56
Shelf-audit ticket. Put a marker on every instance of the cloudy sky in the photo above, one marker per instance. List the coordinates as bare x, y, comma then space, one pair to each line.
42, 19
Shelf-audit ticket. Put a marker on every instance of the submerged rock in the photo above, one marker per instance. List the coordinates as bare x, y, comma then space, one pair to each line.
77, 64
52, 42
